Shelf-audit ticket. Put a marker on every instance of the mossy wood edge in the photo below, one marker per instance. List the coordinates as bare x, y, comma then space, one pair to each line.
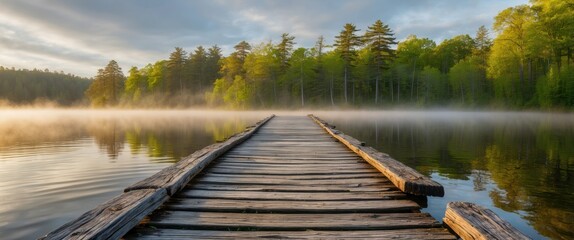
113, 219
403, 177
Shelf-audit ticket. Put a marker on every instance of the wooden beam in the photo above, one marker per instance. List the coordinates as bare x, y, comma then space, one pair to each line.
112, 219
405, 178
171, 234
471, 221
176, 176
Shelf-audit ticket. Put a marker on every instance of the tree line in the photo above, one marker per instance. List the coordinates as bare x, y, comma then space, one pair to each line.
528, 64
23, 86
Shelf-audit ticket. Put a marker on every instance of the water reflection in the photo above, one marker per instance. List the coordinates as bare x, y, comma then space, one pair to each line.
528, 157
57, 164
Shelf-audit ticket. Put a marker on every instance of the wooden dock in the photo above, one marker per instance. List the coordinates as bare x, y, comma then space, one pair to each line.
290, 179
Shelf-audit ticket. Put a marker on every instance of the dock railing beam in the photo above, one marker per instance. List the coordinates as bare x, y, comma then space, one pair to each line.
405, 178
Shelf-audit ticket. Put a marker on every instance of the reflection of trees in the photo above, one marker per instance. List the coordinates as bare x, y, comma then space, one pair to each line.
108, 135
32, 131
222, 130
178, 137
531, 162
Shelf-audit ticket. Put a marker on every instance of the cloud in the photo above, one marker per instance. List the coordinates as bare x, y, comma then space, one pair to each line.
80, 36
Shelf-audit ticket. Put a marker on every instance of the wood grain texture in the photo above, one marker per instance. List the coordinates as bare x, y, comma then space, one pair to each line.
293, 196
277, 221
296, 188
284, 206
177, 234
112, 219
175, 177
471, 221
404, 177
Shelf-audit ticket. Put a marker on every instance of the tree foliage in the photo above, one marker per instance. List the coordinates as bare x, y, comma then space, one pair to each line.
107, 86
528, 64
23, 86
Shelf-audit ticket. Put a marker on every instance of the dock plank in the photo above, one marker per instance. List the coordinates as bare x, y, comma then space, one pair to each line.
176, 234
284, 206
290, 180
277, 221
293, 196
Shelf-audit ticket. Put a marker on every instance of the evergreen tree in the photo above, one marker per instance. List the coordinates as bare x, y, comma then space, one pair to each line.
346, 43
107, 85
175, 71
284, 49
379, 38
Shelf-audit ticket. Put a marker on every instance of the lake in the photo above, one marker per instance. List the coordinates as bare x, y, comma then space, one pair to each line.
57, 164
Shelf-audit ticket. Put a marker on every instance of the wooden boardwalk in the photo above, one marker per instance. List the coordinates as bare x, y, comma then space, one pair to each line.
290, 180
289, 177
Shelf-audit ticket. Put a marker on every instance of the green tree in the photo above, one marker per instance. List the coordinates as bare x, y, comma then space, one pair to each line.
414, 53
197, 65
379, 38
175, 71
156, 76
509, 55
233, 79
107, 85
346, 43
463, 77
284, 49
136, 84
453, 50
213, 65
555, 22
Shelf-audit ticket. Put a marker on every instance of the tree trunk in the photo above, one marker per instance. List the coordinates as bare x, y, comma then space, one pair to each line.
345, 85
331, 90
392, 88
413, 78
376, 90
302, 93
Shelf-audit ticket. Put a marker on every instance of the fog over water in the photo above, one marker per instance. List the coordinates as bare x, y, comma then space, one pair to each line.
57, 164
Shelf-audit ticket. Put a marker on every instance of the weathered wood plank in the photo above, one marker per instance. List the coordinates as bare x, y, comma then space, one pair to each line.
295, 158
288, 172
284, 165
296, 188
308, 162
277, 221
112, 219
270, 181
471, 221
292, 196
176, 176
293, 167
282, 206
375, 175
176, 234
404, 177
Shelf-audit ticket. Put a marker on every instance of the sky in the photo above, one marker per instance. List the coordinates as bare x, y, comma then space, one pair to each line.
81, 36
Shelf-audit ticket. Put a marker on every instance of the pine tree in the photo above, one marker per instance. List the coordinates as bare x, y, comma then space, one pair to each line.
107, 85
284, 49
346, 43
379, 38
175, 71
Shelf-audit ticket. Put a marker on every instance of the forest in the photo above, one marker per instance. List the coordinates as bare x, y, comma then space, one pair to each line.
41, 87
524, 62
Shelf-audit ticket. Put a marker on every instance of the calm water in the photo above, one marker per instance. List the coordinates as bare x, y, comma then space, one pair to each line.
55, 165
520, 165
